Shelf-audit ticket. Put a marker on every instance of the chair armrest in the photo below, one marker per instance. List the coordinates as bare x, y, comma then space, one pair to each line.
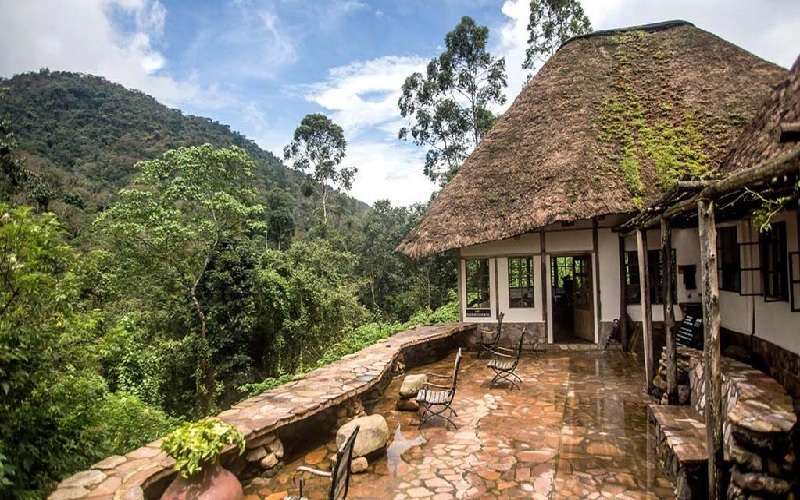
504, 349
502, 355
316, 472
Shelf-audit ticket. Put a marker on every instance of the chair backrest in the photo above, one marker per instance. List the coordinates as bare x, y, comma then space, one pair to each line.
340, 478
499, 328
519, 345
456, 367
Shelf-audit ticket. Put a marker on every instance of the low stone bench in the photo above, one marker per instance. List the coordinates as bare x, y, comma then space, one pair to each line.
759, 419
681, 448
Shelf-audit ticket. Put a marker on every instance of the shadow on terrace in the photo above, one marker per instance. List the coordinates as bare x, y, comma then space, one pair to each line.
577, 428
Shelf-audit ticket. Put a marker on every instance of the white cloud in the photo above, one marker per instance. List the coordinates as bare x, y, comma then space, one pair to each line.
80, 36
388, 170
362, 98
512, 44
365, 93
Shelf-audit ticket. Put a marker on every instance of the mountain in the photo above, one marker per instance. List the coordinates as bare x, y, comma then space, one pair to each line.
83, 134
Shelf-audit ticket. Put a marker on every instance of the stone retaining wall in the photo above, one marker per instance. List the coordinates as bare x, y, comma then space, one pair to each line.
275, 421
758, 425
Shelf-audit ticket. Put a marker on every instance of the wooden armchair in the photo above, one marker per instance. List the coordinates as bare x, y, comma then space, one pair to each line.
504, 363
340, 473
435, 399
489, 341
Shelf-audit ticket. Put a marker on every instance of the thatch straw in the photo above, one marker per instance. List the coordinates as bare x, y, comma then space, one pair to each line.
551, 158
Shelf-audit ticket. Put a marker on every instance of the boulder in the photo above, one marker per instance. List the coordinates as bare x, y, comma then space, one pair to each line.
373, 434
412, 384
359, 464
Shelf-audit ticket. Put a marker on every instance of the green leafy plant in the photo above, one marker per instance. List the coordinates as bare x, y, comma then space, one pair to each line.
197, 444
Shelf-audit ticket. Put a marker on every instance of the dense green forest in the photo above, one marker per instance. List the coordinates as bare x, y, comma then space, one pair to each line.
157, 268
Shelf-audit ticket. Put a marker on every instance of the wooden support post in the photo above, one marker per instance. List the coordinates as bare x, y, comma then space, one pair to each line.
623, 296
461, 291
711, 346
669, 315
596, 279
647, 312
543, 273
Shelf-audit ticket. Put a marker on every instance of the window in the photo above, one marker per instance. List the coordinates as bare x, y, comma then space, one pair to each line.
520, 282
773, 262
477, 285
632, 287
729, 260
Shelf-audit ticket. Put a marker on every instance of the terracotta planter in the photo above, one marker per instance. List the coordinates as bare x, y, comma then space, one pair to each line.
214, 482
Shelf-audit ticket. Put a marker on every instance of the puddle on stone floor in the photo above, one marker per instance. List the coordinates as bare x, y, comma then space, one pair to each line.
577, 428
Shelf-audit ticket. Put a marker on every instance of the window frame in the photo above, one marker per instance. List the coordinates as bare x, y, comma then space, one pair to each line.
633, 293
730, 259
529, 277
774, 262
477, 312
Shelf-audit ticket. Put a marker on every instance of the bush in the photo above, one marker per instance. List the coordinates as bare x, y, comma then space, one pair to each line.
197, 444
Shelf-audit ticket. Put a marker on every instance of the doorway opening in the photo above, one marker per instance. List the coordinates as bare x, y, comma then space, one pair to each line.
572, 299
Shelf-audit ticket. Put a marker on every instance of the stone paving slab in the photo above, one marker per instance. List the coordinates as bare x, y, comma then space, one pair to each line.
128, 476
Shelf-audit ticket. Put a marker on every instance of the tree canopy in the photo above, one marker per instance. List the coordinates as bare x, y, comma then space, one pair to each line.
551, 23
449, 106
319, 147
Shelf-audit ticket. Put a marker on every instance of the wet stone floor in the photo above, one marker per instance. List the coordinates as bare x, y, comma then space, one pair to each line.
576, 429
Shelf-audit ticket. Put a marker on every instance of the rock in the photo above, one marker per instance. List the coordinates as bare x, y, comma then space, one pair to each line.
269, 461
743, 457
265, 440
256, 454
316, 456
407, 404
276, 447
756, 482
358, 465
412, 384
84, 479
373, 434
684, 394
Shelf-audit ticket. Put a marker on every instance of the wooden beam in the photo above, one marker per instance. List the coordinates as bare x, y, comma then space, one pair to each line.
669, 314
780, 165
711, 347
623, 297
596, 272
647, 312
543, 274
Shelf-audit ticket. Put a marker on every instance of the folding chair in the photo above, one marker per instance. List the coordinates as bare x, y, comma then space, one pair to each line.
340, 475
435, 400
504, 363
488, 343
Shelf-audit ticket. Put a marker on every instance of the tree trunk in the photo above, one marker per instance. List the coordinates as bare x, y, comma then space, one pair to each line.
647, 312
672, 354
711, 346
206, 383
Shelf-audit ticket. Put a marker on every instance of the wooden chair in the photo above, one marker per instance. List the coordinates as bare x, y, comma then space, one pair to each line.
504, 364
689, 331
488, 343
340, 475
435, 400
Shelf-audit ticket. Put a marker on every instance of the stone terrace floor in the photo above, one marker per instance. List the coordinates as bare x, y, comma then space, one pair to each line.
578, 428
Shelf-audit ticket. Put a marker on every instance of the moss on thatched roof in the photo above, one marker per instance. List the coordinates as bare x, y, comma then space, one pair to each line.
611, 121
759, 141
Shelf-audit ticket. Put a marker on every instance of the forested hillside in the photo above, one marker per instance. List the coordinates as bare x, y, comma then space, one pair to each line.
133, 298
83, 135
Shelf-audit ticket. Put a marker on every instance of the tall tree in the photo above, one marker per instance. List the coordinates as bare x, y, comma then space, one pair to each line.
448, 107
551, 23
319, 147
280, 221
168, 227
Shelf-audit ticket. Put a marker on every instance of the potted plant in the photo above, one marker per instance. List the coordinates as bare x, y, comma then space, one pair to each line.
196, 448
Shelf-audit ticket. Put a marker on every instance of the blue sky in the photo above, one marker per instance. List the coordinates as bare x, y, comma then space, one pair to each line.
261, 65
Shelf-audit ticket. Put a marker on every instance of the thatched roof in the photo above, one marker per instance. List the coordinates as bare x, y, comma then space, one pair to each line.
760, 141
581, 138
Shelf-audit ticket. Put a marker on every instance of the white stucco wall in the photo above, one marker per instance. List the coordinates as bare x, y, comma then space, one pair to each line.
773, 321
605, 268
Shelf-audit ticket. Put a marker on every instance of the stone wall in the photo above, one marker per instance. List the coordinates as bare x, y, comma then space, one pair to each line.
759, 426
780, 364
277, 421
535, 335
